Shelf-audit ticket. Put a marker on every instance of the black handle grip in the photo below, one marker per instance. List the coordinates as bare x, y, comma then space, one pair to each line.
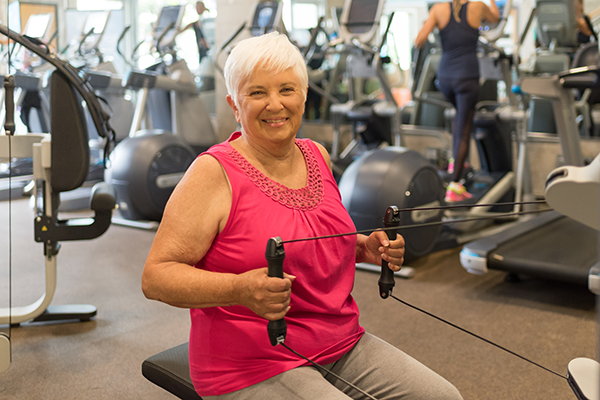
275, 255
386, 280
9, 103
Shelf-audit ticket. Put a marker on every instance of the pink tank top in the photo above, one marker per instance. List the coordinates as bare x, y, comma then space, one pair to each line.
229, 346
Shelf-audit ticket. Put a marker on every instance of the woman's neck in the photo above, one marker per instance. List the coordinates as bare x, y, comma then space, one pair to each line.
284, 163
265, 152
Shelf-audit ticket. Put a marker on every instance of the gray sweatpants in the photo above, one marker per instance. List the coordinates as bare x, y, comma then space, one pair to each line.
373, 365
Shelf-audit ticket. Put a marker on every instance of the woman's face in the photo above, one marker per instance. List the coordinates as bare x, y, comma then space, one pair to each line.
269, 106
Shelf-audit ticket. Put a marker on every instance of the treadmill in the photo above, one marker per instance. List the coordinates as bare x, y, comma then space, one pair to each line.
575, 191
549, 246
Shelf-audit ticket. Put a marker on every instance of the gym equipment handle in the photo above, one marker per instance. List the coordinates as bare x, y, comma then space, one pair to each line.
275, 254
386, 280
9, 102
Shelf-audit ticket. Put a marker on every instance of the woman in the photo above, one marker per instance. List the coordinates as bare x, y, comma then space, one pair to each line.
209, 253
584, 32
203, 46
458, 73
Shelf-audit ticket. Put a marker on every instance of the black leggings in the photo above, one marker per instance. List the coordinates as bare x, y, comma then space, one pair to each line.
463, 94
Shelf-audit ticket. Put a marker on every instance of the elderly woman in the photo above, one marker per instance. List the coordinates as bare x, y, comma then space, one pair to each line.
209, 254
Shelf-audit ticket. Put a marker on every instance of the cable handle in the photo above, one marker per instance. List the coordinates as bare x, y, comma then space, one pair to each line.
386, 280
9, 103
275, 255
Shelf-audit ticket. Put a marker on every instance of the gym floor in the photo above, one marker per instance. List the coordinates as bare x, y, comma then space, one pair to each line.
550, 323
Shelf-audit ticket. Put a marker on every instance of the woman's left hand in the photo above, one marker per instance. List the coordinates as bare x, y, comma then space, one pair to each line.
377, 246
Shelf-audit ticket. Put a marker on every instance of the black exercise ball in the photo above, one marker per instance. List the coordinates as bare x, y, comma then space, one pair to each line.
395, 176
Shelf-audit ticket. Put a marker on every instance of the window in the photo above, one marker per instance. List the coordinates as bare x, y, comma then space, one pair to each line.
399, 41
301, 15
99, 5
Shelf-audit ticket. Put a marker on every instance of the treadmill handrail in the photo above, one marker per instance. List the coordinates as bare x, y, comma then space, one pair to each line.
579, 71
224, 46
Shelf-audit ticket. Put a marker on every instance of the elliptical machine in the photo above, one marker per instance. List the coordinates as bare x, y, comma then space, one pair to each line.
375, 122
146, 166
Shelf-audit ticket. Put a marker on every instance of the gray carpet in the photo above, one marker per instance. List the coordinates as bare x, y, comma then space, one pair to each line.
547, 322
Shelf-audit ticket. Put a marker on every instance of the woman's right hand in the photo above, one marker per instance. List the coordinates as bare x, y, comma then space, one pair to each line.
266, 296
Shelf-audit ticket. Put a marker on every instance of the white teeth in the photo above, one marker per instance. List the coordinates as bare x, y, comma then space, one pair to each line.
274, 121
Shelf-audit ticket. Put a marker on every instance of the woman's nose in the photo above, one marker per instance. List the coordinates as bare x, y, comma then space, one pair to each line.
274, 102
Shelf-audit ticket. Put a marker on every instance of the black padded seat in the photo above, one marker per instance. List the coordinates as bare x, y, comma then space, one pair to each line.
170, 370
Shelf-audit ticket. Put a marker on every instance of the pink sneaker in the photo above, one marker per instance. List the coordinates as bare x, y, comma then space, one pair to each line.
451, 166
456, 192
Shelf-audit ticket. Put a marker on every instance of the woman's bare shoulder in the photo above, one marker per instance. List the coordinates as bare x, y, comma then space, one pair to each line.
324, 153
321, 148
204, 184
478, 6
483, 12
441, 12
205, 170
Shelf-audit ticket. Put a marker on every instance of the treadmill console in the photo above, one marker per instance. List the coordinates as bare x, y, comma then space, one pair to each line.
267, 18
360, 20
168, 15
556, 23
93, 29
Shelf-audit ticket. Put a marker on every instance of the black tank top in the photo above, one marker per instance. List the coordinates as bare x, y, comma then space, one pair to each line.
459, 48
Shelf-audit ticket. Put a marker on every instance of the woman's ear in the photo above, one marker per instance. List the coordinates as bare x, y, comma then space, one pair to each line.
236, 111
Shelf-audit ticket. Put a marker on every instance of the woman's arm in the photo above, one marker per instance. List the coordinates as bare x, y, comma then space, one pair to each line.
196, 212
583, 27
492, 13
430, 24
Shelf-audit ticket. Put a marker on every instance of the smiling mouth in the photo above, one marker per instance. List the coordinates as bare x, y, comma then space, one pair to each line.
275, 121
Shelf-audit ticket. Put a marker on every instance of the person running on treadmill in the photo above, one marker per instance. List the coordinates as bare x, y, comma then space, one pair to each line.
203, 46
583, 24
458, 73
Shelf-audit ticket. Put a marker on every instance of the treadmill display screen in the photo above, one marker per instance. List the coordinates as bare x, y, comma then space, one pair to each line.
361, 16
167, 15
264, 18
96, 21
37, 25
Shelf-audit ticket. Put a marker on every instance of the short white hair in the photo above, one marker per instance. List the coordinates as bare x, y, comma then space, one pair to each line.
272, 52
